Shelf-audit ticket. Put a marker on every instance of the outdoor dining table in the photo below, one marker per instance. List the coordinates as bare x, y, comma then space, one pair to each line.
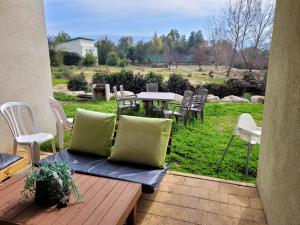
149, 97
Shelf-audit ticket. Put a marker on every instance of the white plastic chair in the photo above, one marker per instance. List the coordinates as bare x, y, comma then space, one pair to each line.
20, 120
62, 122
247, 130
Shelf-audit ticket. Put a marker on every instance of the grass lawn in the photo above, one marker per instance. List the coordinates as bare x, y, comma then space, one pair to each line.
56, 81
197, 148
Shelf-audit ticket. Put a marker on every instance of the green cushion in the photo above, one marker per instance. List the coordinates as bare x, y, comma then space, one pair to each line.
142, 140
93, 132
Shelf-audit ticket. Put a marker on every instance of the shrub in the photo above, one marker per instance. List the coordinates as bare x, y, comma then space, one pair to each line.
61, 72
101, 77
78, 83
124, 62
177, 84
230, 87
112, 59
56, 58
155, 78
247, 95
89, 60
71, 58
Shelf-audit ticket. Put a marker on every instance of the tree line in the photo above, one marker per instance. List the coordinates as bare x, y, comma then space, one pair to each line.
240, 37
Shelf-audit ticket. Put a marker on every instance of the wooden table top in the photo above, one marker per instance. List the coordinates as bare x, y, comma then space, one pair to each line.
156, 96
106, 202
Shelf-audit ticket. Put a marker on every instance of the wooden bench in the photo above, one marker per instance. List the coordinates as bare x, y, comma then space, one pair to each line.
106, 202
12, 168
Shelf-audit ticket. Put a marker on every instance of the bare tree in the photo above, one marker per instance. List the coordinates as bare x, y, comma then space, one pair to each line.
247, 24
260, 32
220, 48
233, 24
200, 55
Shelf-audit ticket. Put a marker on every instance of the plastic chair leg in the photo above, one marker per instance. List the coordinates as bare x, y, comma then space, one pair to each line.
60, 135
248, 159
224, 153
35, 152
53, 146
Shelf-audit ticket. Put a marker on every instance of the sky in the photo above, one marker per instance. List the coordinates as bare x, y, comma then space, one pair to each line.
137, 18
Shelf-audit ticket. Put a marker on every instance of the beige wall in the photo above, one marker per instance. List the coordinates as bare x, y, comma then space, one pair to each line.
279, 163
24, 62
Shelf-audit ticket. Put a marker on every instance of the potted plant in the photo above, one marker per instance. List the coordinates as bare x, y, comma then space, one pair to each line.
51, 183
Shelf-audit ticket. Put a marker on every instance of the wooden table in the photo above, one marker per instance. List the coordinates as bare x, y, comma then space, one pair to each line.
106, 202
149, 97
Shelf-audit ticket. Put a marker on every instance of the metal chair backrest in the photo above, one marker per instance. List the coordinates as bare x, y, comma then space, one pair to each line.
58, 111
200, 98
15, 114
186, 100
152, 87
116, 92
202, 95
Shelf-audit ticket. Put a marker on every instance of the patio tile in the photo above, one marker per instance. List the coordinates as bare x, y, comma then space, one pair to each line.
174, 179
193, 182
200, 192
142, 218
212, 185
242, 213
190, 200
248, 192
209, 206
218, 196
151, 196
229, 188
175, 188
239, 200
159, 220
235, 221
216, 219
195, 216
175, 212
255, 203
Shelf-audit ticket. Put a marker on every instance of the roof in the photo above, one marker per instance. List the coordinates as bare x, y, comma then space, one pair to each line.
73, 39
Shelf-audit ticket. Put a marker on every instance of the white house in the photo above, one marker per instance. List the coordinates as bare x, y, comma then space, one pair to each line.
79, 45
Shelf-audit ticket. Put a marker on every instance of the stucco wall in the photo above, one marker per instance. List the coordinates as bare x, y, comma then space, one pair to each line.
24, 63
279, 163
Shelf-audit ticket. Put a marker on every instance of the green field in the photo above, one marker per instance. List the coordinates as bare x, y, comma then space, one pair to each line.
190, 72
197, 148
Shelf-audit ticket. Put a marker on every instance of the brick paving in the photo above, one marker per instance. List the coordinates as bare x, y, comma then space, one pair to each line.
191, 200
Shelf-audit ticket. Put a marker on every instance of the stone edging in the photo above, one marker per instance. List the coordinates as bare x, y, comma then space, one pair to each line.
212, 179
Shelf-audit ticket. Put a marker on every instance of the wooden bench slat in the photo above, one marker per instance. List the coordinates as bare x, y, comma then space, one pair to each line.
129, 196
52, 214
75, 214
106, 204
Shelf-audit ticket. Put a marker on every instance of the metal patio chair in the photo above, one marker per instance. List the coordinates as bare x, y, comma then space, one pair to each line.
131, 97
123, 103
152, 87
183, 108
198, 103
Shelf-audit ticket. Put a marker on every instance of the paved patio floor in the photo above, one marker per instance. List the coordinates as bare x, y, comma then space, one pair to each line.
188, 199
